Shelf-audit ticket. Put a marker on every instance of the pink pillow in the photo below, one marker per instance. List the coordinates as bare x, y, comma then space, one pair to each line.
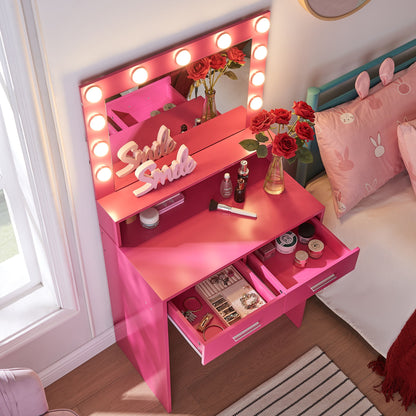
358, 139
406, 132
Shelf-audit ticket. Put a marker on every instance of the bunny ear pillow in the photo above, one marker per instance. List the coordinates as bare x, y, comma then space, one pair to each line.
364, 131
386, 72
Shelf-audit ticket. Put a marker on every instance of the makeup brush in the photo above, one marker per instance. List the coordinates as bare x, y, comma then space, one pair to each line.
214, 205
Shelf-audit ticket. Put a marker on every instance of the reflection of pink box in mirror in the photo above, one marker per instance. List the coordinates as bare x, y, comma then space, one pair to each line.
137, 106
145, 131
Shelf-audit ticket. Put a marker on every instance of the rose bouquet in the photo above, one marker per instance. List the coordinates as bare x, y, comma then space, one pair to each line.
208, 70
290, 139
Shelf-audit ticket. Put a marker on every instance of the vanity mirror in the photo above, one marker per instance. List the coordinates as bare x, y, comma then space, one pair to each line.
332, 9
127, 107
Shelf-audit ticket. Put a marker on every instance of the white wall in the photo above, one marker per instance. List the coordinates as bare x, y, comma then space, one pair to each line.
81, 39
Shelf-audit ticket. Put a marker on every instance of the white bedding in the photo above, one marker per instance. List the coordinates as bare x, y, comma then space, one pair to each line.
379, 296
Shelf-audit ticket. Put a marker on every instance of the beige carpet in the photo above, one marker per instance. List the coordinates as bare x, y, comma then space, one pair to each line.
312, 385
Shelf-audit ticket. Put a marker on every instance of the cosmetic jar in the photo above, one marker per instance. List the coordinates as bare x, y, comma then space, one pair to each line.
149, 218
286, 243
306, 232
265, 252
301, 258
315, 248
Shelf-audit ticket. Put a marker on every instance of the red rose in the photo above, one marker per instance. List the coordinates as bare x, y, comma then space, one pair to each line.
304, 110
304, 131
236, 55
262, 121
218, 61
284, 145
199, 69
281, 115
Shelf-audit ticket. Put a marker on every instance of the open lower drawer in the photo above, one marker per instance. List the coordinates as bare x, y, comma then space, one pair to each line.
298, 284
220, 337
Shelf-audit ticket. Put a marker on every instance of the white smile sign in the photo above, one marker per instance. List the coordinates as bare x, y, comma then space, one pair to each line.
181, 166
134, 157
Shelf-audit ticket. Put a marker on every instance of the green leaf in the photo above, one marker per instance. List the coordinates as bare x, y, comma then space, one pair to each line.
250, 144
262, 151
304, 155
230, 74
234, 65
261, 137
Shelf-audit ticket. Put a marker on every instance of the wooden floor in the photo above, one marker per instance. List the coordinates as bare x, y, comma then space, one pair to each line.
108, 385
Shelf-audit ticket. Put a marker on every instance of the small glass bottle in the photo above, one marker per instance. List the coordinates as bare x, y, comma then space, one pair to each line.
226, 187
243, 171
240, 191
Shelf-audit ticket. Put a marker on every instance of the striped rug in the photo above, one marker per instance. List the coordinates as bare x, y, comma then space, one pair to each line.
312, 385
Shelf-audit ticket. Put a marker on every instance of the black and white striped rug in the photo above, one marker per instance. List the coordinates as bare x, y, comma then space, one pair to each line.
312, 385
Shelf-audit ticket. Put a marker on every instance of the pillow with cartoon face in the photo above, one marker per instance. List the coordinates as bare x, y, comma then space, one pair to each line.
406, 133
358, 139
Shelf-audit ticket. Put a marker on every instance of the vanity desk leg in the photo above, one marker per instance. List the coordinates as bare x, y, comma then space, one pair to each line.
296, 314
140, 323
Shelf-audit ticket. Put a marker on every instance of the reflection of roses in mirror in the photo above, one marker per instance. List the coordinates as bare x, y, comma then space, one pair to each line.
290, 139
207, 71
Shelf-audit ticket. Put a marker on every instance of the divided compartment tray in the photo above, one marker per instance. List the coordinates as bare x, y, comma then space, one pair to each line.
298, 284
217, 340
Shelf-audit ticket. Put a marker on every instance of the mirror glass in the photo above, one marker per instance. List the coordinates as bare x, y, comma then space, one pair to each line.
174, 101
332, 9
127, 113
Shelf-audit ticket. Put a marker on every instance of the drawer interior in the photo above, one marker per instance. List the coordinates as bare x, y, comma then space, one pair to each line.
189, 308
280, 271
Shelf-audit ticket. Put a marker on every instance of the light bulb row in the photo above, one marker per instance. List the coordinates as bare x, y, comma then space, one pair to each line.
139, 75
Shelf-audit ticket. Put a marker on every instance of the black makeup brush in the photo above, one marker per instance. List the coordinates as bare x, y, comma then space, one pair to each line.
214, 205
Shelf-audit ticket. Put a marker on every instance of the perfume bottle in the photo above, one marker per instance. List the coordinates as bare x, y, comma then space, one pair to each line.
243, 171
226, 187
240, 191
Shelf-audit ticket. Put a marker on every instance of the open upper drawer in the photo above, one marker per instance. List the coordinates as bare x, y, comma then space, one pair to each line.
298, 284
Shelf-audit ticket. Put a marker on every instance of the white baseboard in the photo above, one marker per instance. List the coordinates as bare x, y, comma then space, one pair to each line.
78, 357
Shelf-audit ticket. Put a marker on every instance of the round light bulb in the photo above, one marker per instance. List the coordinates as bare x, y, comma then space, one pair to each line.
224, 41
256, 103
260, 52
183, 57
101, 149
93, 94
262, 25
258, 79
97, 122
139, 75
104, 174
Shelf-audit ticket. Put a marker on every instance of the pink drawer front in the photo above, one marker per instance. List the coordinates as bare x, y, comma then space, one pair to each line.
299, 284
216, 341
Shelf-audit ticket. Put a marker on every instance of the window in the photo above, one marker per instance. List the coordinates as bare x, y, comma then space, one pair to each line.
33, 246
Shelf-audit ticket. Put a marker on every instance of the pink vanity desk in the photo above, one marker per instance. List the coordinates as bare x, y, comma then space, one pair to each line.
150, 272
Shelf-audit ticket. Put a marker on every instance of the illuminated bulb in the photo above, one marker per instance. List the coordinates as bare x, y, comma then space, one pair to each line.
97, 122
263, 25
139, 75
224, 41
260, 52
93, 94
183, 57
258, 79
104, 174
101, 149
256, 103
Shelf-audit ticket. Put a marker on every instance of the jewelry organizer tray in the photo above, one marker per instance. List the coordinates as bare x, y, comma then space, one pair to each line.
230, 296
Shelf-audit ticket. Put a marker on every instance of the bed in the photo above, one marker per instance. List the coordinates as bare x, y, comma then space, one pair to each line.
364, 172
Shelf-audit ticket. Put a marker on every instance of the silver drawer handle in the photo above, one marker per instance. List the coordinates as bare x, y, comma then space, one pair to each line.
246, 332
322, 283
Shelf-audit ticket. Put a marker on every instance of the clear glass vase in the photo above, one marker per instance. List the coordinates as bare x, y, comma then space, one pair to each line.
274, 182
209, 109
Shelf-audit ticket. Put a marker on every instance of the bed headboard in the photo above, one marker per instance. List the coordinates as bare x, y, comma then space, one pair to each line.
341, 90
